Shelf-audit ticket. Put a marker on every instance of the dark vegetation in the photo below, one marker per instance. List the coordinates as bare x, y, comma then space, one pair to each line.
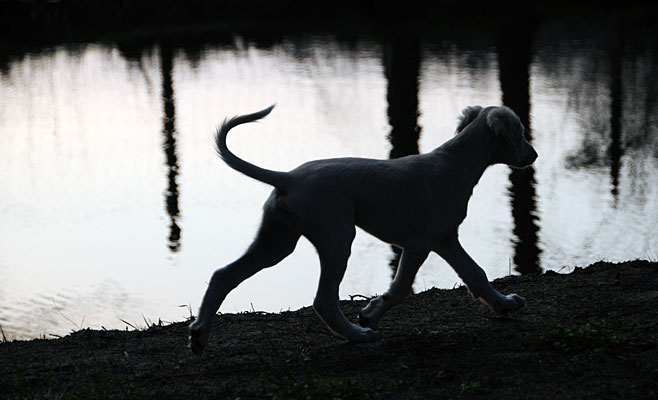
30, 25
592, 333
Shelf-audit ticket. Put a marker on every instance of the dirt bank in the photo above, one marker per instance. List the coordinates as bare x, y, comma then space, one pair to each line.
589, 334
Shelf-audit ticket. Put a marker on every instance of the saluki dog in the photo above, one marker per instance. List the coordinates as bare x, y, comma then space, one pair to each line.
415, 202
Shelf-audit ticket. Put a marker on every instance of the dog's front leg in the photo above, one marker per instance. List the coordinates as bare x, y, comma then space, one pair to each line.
400, 288
476, 279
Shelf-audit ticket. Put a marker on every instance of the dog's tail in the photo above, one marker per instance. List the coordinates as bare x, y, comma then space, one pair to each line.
274, 178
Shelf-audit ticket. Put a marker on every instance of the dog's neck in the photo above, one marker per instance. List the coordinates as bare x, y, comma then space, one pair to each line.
476, 149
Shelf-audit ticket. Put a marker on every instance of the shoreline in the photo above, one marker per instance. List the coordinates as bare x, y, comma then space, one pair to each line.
590, 333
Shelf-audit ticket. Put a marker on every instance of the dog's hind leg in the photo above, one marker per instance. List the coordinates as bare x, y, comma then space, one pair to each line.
400, 288
476, 279
334, 251
275, 240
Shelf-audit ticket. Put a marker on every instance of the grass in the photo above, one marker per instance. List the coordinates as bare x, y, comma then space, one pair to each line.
19, 379
607, 334
326, 388
4, 338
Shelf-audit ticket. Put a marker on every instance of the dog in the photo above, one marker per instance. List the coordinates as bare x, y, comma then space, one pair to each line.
415, 202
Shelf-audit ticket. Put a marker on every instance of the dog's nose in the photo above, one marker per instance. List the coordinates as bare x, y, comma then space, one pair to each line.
533, 155
530, 156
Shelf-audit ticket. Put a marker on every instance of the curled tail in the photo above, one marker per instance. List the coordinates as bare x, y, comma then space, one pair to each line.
274, 178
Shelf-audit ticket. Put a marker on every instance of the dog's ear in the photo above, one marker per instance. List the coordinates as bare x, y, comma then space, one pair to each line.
468, 115
503, 122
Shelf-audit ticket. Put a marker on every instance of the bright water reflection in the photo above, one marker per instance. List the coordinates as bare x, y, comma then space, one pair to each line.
115, 205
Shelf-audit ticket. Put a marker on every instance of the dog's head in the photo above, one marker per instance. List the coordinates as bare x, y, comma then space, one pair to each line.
512, 147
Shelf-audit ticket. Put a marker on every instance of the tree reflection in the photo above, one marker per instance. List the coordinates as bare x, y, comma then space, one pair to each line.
401, 66
169, 146
615, 150
614, 96
514, 54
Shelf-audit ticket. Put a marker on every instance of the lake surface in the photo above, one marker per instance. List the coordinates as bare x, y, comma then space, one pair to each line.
115, 208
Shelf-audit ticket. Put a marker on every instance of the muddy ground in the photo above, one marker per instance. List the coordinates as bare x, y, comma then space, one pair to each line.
592, 333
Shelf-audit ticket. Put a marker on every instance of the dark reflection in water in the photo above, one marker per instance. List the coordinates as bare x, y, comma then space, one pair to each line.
615, 150
615, 96
169, 146
134, 52
514, 54
401, 66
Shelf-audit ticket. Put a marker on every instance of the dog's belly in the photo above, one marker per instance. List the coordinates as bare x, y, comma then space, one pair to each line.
402, 231
420, 225
395, 238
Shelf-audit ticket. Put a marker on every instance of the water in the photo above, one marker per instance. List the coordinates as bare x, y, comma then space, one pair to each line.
115, 208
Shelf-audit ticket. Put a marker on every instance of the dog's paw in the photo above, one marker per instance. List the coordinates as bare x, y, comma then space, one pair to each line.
364, 335
198, 339
370, 314
512, 302
366, 321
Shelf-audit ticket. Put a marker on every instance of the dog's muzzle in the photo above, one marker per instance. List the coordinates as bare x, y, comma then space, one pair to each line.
531, 157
